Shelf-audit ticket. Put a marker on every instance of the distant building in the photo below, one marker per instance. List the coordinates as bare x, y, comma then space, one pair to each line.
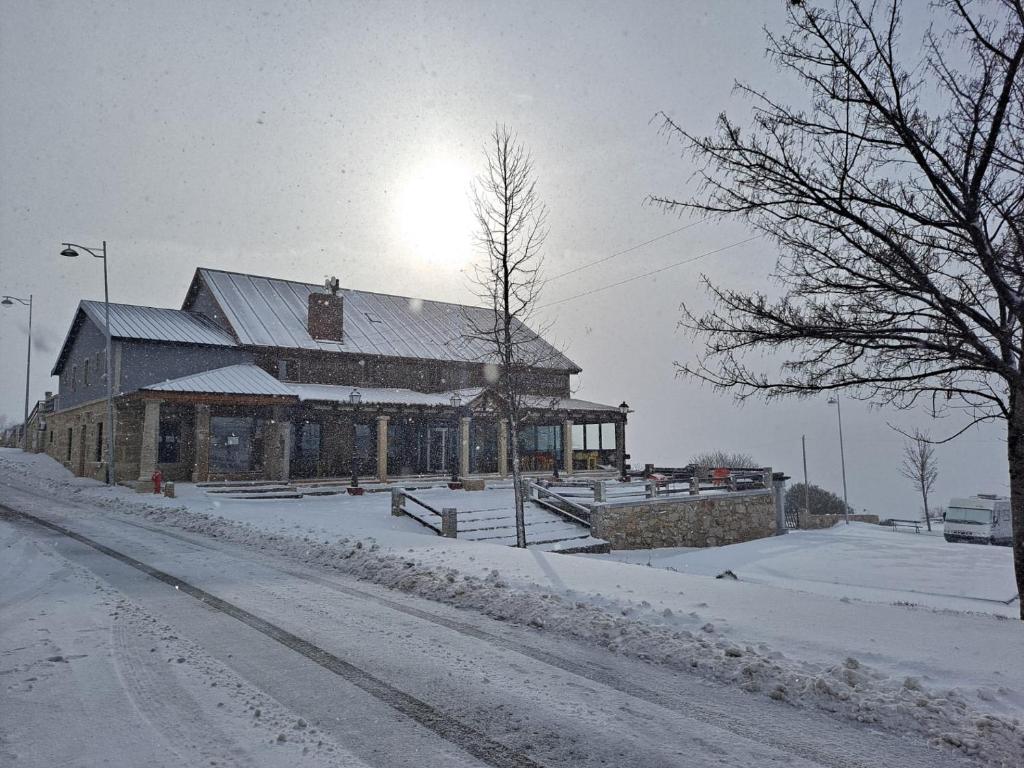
261, 378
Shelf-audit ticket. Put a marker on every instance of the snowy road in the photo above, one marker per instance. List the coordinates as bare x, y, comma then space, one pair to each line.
133, 645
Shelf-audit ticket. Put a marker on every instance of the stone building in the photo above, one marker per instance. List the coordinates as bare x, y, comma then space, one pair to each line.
263, 378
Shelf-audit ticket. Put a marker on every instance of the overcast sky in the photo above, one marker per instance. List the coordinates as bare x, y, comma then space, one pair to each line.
301, 139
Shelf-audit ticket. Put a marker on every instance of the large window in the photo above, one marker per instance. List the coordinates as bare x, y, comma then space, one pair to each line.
99, 441
85, 373
236, 444
169, 445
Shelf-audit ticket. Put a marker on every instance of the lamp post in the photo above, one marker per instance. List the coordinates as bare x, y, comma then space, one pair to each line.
8, 301
624, 410
355, 397
101, 253
456, 401
842, 455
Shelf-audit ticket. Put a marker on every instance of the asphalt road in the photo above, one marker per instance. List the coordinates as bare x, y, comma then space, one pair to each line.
125, 644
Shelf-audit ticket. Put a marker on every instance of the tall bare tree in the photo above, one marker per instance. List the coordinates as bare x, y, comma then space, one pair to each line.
896, 200
511, 228
920, 467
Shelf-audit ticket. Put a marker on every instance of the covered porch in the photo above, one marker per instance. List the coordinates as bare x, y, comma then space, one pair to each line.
240, 423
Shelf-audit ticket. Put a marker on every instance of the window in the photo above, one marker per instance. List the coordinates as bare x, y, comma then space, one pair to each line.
287, 370
74, 375
169, 447
98, 369
71, 434
99, 441
85, 373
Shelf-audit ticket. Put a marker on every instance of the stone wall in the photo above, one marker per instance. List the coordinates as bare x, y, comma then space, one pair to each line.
686, 521
809, 522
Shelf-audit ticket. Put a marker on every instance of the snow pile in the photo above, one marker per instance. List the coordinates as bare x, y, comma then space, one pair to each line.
848, 687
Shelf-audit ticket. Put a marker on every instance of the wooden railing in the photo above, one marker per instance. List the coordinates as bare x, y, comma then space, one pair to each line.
447, 517
555, 502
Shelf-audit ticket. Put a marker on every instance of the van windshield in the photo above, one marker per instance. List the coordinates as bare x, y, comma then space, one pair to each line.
976, 516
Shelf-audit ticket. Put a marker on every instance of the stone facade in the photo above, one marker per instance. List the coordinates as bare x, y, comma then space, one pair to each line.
808, 522
686, 521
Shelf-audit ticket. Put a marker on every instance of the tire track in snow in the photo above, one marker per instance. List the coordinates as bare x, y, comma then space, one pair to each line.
471, 740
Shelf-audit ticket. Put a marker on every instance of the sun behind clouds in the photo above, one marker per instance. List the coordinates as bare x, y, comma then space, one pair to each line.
435, 212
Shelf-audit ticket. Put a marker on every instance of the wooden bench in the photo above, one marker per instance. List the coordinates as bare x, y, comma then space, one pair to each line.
896, 523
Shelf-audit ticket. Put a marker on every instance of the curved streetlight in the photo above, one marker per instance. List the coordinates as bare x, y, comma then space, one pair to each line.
8, 301
842, 455
101, 253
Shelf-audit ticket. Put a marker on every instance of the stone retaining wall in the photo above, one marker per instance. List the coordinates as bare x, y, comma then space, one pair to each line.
686, 521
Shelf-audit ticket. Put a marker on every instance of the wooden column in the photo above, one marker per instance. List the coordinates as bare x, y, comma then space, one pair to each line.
148, 453
503, 448
382, 448
201, 468
567, 445
464, 446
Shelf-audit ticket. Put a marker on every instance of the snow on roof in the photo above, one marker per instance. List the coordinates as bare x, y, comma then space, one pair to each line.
565, 404
271, 312
244, 379
379, 395
129, 321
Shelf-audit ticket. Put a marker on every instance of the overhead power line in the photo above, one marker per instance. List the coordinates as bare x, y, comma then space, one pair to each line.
625, 251
649, 274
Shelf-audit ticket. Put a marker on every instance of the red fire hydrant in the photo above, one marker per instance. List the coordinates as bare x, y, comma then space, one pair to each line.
157, 477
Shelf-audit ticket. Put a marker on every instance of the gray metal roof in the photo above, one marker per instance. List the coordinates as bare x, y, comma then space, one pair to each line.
270, 312
128, 321
243, 379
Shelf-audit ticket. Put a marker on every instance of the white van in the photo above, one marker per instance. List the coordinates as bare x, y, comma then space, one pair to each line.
981, 519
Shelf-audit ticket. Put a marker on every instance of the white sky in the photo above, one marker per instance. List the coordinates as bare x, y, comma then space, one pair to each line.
305, 139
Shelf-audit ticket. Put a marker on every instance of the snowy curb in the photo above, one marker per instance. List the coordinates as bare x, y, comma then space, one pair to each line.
848, 688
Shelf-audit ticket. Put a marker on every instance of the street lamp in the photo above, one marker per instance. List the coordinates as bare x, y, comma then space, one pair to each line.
355, 397
842, 455
101, 253
624, 410
456, 401
8, 301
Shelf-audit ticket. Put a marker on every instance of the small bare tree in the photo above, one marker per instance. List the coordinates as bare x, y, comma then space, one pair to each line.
511, 222
920, 467
709, 460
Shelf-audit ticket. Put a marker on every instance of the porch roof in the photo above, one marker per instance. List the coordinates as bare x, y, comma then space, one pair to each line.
251, 380
243, 379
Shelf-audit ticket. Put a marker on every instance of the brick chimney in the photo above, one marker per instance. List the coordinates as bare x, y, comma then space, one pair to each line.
326, 314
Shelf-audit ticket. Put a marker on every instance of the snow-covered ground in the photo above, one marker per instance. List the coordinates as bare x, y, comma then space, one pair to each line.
901, 630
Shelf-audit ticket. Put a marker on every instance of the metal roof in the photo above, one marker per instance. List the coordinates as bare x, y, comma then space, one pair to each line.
243, 379
129, 321
269, 312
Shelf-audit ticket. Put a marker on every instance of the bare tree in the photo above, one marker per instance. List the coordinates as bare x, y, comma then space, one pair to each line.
920, 467
511, 223
897, 204
708, 460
